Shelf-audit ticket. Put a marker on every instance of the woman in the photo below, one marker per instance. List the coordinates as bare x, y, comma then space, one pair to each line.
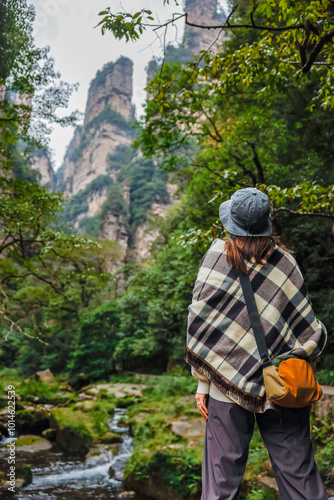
223, 355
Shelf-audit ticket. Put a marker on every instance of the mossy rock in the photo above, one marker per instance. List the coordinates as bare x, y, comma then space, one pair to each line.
123, 422
128, 400
154, 487
155, 475
87, 405
49, 434
27, 440
23, 475
32, 419
73, 430
100, 454
111, 437
32, 443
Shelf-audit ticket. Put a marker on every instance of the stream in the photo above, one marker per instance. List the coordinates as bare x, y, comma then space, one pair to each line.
56, 475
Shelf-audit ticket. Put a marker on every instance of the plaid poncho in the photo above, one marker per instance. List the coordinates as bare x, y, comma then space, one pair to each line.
220, 341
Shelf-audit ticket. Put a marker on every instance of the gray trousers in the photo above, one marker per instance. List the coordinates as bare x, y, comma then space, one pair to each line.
229, 429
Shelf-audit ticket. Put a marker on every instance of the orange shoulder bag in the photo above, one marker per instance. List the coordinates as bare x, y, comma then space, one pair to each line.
289, 380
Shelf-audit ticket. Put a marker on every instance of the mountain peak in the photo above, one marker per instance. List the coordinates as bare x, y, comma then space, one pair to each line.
111, 87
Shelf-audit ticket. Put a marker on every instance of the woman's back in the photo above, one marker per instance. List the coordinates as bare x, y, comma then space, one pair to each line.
220, 340
222, 350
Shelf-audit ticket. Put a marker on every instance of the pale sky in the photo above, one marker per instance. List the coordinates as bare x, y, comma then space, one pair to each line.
79, 50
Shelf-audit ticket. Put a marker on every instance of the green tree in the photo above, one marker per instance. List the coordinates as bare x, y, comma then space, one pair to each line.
255, 112
295, 38
42, 265
94, 345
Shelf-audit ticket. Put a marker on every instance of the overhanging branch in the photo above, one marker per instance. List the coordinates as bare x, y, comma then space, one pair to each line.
228, 25
310, 214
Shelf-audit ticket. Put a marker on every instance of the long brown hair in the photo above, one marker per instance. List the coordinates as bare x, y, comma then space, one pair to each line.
239, 248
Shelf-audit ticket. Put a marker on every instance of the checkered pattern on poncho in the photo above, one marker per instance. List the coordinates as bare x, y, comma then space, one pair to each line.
220, 340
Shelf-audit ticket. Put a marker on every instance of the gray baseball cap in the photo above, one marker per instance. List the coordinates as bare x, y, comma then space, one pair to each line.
247, 213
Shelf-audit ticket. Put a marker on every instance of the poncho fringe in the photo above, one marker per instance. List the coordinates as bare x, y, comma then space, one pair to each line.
239, 396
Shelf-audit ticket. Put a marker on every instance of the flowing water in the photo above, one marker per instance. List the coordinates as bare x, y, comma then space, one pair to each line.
57, 475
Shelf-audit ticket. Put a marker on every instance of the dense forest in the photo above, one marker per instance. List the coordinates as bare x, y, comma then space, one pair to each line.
241, 115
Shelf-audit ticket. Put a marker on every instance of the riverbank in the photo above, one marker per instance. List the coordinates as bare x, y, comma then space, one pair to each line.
168, 442
162, 422
66, 442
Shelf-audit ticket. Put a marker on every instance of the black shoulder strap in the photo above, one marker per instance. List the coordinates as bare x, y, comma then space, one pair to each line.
254, 319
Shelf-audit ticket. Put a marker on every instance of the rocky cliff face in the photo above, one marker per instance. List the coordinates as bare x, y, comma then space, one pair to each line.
106, 126
205, 14
112, 187
43, 165
114, 191
112, 87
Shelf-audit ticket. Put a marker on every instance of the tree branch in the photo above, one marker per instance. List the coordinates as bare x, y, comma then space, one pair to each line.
310, 214
257, 162
227, 25
316, 63
12, 323
302, 47
208, 117
315, 52
230, 181
245, 170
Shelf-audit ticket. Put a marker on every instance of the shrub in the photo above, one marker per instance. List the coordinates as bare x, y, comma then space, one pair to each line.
325, 462
326, 377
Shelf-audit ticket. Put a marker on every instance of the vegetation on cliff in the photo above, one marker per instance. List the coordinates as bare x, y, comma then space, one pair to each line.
46, 271
147, 185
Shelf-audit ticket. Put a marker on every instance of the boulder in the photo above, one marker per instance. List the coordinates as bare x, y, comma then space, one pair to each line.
111, 472
23, 476
127, 494
154, 487
45, 376
326, 403
188, 428
92, 392
86, 404
83, 396
72, 434
33, 419
118, 389
31, 443
269, 482
99, 454
139, 417
123, 423
173, 446
268, 468
27, 420
111, 437
49, 434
